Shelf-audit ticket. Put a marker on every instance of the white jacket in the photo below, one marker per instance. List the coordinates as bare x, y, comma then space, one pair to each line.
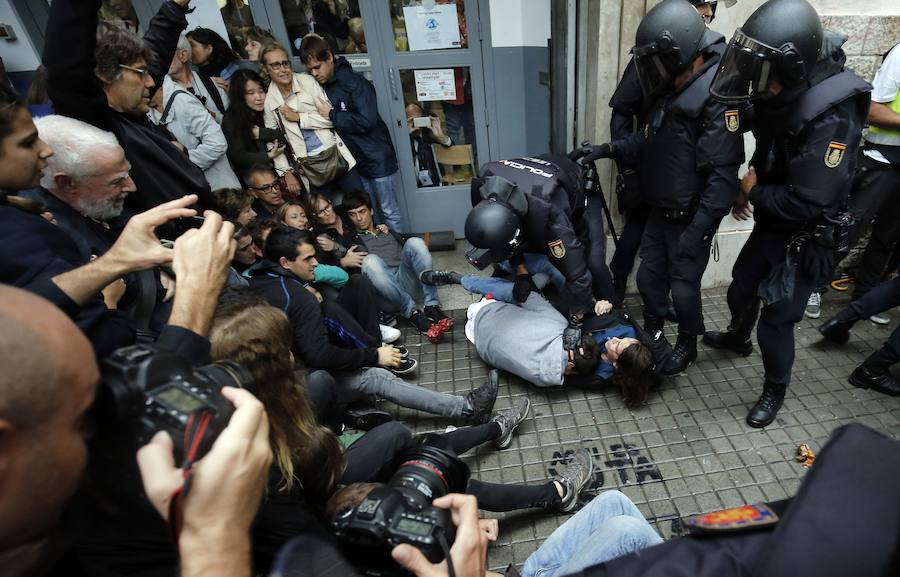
306, 91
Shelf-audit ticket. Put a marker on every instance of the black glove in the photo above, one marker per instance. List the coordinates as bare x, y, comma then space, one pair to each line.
600, 151
523, 287
572, 337
816, 261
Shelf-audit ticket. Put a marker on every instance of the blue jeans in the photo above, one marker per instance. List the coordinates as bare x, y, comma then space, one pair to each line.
608, 527
540, 264
398, 287
383, 192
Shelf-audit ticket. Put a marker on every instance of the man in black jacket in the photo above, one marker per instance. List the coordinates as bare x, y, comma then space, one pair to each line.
109, 84
337, 335
354, 112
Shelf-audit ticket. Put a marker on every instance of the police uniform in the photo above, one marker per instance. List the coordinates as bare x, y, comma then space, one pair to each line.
689, 154
804, 162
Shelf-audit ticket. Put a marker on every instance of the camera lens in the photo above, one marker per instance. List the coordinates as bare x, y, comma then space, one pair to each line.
431, 472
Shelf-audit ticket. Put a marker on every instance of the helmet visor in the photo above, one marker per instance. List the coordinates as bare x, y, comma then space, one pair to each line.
745, 70
657, 64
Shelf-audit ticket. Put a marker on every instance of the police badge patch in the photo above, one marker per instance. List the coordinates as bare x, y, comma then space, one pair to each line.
732, 120
557, 249
835, 154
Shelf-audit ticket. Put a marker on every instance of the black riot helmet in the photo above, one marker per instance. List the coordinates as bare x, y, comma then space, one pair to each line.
668, 40
712, 6
496, 228
781, 40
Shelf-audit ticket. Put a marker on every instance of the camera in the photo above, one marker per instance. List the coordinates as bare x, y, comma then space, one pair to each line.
145, 390
401, 511
421, 122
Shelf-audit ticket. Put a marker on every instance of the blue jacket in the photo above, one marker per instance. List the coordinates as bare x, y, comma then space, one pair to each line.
355, 118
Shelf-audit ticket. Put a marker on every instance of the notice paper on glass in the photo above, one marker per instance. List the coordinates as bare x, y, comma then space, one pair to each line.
436, 84
432, 28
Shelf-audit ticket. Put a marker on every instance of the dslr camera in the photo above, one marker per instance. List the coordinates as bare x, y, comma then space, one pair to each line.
401, 511
145, 390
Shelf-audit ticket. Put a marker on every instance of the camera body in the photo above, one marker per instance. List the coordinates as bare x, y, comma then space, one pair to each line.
401, 512
146, 390
421, 122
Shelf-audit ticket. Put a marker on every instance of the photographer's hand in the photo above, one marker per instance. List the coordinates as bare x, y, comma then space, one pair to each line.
226, 488
469, 550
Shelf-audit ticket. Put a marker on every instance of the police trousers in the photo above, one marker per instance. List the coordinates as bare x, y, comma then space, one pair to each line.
764, 251
663, 269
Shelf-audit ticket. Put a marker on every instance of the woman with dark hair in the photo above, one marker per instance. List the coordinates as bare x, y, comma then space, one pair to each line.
23, 155
249, 141
212, 54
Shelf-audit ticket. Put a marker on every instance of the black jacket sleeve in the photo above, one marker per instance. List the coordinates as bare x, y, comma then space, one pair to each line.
162, 37
572, 262
240, 150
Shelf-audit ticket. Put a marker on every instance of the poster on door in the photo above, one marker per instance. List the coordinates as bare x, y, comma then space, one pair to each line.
432, 28
435, 84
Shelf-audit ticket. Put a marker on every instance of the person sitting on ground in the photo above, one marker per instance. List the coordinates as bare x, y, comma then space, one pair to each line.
393, 263
250, 142
264, 185
246, 254
334, 235
526, 340
235, 204
293, 214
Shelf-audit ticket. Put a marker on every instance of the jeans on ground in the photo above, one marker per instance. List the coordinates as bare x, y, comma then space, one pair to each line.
378, 383
608, 527
383, 193
398, 287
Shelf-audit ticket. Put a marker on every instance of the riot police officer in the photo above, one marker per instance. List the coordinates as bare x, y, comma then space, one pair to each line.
689, 152
807, 123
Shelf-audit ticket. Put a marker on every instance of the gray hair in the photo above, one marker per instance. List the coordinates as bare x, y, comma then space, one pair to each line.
184, 44
73, 143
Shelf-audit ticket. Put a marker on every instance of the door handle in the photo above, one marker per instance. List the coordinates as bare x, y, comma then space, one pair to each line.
392, 82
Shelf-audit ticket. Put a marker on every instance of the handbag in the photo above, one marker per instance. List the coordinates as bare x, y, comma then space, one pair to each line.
324, 167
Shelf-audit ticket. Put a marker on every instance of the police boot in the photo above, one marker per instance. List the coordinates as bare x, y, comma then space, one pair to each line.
837, 328
763, 412
683, 356
875, 373
653, 326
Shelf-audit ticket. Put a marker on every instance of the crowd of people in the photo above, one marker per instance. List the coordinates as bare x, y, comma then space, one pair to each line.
223, 209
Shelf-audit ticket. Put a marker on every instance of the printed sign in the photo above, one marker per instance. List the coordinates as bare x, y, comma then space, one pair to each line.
432, 28
437, 84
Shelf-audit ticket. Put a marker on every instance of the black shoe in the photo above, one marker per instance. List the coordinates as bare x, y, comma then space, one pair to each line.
366, 419
875, 374
653, 324
574, 478
837, 328
407, 365
729, 340
763, 412
434, 313
440, 277
387, 320
509, 419
420, 322
404, 352
683, 356
480, 402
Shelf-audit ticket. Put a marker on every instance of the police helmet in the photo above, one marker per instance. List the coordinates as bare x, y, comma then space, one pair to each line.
668, 40
781, 40
496, 228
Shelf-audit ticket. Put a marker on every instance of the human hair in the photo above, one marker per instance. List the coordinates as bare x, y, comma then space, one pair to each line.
37, 92
270, 48
237, 107
634, 374
222, 54
258, 337
282, 210
419, 106
254, 168
354, 199
260, 230
283, 242
118, 46
257, 34
314, 46
240, 231
231, 201
10, 104
184, 44
74, 143
348, 497
314, 199
586, 363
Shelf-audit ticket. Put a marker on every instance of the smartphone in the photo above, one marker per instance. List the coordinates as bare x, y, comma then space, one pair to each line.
422, 122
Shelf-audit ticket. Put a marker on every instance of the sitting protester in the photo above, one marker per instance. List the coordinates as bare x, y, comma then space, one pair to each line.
334, 235
293, 214
263, 183
526, 340
246, 255
393, 263
235, 204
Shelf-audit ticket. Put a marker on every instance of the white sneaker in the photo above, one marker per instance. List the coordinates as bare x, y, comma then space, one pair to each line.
880, 319
389, 334
814, 306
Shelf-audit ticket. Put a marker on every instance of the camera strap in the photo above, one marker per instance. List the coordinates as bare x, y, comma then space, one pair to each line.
193, 436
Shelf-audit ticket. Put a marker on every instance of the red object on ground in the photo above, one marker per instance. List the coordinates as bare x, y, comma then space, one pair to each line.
438, 329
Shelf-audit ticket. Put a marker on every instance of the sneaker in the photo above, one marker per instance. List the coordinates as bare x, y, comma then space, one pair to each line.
880, 319
407, 365
480, 402
436, 315
366, 419
389, 334
814, 306
509, 419
440, 277
574, 478
420, 322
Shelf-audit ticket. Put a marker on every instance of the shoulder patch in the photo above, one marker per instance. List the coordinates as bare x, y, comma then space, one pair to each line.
732, 120
835, 153
557, 249
736, 519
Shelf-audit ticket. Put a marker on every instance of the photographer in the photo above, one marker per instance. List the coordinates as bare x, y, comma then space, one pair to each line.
421, 139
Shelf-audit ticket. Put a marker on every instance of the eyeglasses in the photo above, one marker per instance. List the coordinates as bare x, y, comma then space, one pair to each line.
325, 210
142, 71
265, 188
280, 64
